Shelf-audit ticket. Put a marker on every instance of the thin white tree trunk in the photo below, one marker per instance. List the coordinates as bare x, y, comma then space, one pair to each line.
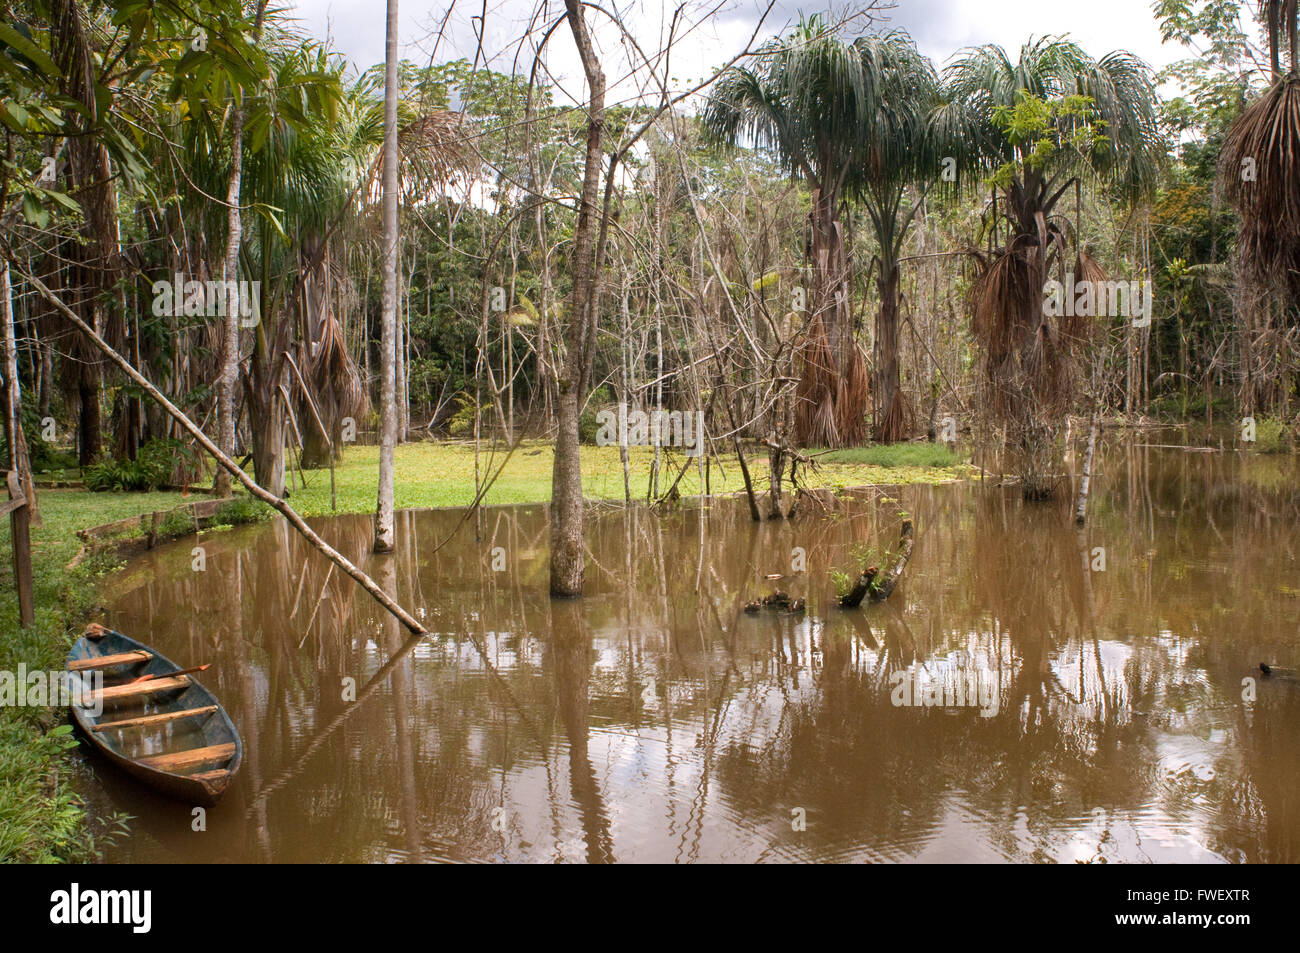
230, 272
385, 537
18, 459
1085, 484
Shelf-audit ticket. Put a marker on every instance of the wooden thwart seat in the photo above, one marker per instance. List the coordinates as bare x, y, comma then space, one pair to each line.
147, 720
131, 690
219, 774
107, 661
190, 758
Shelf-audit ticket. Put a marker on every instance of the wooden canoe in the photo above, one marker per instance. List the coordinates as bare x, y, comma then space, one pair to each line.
170, 732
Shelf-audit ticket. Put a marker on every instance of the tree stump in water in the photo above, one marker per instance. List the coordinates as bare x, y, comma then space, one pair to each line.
860, 588
880, 591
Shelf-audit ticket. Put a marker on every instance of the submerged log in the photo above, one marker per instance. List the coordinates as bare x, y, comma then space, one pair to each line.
777, 600
1273, 671
867, 585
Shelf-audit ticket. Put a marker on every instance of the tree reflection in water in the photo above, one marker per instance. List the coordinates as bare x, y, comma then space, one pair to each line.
655, 720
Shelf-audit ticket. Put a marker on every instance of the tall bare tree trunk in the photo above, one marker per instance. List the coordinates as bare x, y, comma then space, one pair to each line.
567, 562
13, 402
832, 391
891, 414
403, 372
93, 260
385, 537
230, 272
90, 427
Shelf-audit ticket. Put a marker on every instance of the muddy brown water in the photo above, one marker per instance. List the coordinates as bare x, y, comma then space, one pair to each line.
1100, 715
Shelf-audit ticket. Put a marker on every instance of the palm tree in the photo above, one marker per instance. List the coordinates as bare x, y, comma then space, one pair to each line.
1039, 127
313, 155
1259, 172
296, 175
809, 99
900, 147
433, 154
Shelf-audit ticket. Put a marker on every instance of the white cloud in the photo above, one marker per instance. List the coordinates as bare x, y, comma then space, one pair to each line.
941, 28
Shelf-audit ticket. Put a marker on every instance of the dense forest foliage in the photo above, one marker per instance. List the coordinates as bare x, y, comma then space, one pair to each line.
833, 241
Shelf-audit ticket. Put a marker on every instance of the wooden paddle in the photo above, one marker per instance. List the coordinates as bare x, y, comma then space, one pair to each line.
184, 671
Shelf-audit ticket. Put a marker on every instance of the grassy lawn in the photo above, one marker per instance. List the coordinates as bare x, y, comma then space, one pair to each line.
40, 819
442, 474
900, 456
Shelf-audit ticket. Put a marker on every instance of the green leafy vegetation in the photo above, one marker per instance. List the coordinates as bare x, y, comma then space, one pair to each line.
241, 510
1272, 436
156, 465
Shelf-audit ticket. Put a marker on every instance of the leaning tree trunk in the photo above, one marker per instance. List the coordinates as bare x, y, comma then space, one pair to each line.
567, 563
274, 500
867, 584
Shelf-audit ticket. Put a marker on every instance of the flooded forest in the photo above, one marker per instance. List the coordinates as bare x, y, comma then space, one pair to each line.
716, 432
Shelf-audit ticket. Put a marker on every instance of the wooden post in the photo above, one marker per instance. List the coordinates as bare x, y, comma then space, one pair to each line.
20, 526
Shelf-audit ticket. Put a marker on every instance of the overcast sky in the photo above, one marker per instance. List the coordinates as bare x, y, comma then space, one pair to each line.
940, 27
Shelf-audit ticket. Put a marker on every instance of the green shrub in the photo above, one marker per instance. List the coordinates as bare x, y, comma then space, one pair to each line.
461, 425
1271, 435
241, 510
167, 462
176, 523
588, 428
45, 456
109, 475
159, 463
